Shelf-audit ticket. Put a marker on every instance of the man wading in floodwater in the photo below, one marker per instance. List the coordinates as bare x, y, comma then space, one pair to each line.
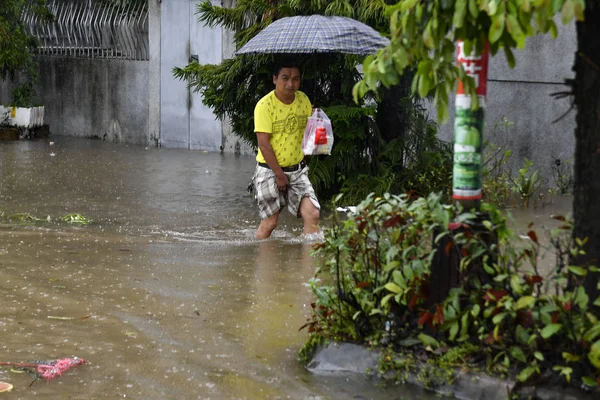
281, 176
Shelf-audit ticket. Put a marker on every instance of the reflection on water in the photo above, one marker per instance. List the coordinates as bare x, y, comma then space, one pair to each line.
541, 220
167, 293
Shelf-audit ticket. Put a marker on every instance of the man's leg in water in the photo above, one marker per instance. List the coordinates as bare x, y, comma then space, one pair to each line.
267, 226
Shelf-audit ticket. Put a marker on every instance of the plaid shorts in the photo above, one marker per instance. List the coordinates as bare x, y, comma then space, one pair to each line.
271, 201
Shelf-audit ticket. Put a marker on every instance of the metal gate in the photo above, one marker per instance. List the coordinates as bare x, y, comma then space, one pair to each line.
92, 28
185, 121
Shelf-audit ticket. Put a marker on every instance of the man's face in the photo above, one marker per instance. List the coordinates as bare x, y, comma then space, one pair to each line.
287, 82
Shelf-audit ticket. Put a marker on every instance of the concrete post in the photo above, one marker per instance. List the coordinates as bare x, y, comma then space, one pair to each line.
154, 32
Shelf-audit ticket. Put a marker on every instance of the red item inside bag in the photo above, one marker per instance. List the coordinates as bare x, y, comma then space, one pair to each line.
320, 136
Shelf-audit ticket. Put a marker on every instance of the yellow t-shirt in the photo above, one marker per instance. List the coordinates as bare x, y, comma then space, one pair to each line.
285, 123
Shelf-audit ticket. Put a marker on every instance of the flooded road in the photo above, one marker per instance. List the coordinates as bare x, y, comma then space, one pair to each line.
166, 293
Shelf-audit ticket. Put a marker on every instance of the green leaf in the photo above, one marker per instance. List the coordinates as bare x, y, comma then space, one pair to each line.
566, 371
581, 298
589, 381
538, 355
497, 28
460, 10
522, 335
428, 340
524, 302
427, 37
407, 5
454, 330
475, 310
424, 85
515, 284
579, 10
553, 30
577, 270
518, 354
568, 11
473, 8
510, 57
498, 318
392, 287
594, 354
550, 330
409, 342
386, 299
568, 357
526, 374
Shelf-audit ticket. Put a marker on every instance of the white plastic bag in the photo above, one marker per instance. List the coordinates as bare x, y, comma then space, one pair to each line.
318, 135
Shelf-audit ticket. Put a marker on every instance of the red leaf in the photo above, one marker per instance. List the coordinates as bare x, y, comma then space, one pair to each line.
559, 217
555, 316
318, 246
533, 236
425, 318
464, 252
362, 285
395, 220
568, 306
531, 279
491, 339
438, 318
449, 247
413, 302
362, 225
525, 318
454, 226
495, 295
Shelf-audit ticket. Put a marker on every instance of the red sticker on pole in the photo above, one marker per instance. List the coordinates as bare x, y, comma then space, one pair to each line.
475, 66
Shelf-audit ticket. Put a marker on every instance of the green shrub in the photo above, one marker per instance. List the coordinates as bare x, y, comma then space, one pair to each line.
373, 279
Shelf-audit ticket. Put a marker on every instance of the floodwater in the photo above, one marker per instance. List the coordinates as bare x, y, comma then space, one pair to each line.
166, 293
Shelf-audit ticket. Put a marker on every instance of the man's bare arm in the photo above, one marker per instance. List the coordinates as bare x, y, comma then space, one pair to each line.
267, 151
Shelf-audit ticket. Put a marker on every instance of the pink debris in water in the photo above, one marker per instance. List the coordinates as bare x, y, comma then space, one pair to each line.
48, 369
55, 368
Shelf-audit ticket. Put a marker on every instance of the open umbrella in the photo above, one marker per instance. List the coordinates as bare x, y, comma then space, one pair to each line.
315, 34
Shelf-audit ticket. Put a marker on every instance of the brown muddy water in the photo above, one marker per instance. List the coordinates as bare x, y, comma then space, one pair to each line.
166, 293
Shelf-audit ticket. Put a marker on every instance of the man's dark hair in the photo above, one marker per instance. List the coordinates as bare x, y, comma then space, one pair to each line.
288, 64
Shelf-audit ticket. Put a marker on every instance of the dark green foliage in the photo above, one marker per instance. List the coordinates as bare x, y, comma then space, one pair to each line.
17, 47
374, 280
386, 143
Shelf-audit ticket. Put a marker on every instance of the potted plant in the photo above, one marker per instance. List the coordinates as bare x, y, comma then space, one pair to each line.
17, 63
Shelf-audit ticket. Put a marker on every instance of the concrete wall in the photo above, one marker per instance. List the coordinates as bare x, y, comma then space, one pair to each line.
101, 98
522, 95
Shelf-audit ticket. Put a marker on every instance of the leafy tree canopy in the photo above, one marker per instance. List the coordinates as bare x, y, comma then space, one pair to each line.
424, 33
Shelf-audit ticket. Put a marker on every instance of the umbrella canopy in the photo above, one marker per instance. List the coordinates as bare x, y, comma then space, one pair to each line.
315, 34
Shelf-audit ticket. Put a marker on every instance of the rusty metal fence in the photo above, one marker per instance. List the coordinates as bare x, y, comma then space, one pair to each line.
92, 29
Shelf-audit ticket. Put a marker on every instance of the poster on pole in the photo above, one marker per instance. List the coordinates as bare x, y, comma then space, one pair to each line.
468, 127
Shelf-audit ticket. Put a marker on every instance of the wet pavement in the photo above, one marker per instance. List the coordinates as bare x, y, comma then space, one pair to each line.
166, 292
